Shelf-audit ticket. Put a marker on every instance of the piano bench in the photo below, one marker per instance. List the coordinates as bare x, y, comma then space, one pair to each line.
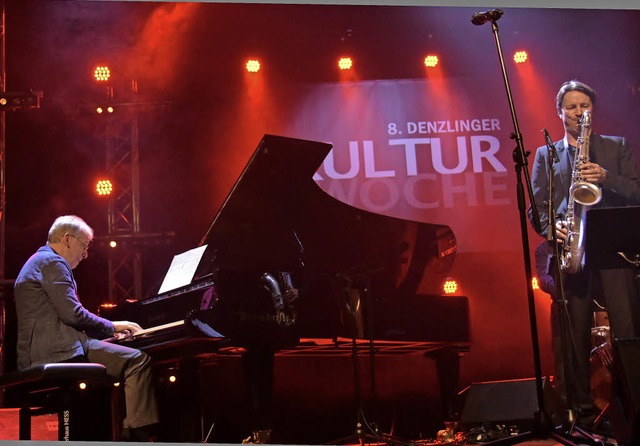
58, 388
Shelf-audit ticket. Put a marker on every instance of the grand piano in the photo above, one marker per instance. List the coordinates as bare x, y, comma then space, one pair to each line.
359, 275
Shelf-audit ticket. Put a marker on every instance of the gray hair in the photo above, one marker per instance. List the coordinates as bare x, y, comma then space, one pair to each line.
68, 223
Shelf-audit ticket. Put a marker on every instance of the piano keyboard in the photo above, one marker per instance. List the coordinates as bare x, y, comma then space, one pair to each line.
157, 328
145, 331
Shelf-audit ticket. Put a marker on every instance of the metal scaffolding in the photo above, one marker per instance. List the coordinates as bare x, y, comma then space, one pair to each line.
122, 154
124, 239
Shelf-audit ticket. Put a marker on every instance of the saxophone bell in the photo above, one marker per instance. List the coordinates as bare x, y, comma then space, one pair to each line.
582, 191
585, 193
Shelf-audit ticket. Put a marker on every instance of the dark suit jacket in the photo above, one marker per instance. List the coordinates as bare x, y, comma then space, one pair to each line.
621, 188
52, 323
543, 255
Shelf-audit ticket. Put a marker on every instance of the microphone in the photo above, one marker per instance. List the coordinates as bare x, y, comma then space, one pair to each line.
550, 146
482, 17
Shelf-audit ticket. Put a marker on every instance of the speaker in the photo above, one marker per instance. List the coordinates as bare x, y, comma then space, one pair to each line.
512, 402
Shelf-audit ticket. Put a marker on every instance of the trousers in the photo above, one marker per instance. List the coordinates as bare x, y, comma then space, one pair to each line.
132, 368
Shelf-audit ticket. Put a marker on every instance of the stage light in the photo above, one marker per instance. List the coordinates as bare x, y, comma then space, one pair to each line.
345, 63
105, 109
520, 56
450, 286
431, 61
252, 65
82, 386
113, 244
101, 73
534, 283
172, 375
104, 187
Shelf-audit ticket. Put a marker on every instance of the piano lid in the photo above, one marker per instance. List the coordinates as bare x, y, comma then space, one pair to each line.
254, 228
276, 218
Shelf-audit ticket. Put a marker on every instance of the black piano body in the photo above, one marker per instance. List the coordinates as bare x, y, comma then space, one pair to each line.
277, 218
359, 274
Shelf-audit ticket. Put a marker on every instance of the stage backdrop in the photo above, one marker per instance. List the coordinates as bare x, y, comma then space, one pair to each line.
420, 150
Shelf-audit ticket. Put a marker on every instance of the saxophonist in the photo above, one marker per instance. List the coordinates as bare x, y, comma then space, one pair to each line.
610, 166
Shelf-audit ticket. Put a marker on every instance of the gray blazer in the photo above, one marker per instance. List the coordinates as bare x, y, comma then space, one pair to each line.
621, 188
52, 323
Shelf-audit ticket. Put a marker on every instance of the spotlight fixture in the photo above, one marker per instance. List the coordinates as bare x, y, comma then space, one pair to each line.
345, 63
172, 375
106, 109
430, 61
101, 73
520, 56
104, 187
535, 284
450, 286
252, 65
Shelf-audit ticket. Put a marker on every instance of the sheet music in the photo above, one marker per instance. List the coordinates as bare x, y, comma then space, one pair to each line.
182, 269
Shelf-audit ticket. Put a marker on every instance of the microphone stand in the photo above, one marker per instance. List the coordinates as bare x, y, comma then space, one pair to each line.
569, 350
542, 424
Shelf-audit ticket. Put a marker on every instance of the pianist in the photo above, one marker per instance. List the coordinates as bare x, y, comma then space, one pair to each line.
53, 326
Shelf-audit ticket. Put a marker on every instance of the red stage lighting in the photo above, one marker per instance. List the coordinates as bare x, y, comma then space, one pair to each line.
252, 65
534, 283
104, 187
102, 73
105, 109
345, 63
520, 56
450, 286
430, 61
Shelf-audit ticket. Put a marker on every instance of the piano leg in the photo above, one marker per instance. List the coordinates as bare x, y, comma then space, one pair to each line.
448, 370
181, 402
258, 369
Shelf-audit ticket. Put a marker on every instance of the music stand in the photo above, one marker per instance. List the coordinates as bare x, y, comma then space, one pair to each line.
609, 232
612, 254
612, 251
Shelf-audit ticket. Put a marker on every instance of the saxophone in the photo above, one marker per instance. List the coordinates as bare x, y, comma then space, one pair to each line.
275, 284
582, 194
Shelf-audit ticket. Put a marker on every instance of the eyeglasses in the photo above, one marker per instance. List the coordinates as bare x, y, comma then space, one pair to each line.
85, 246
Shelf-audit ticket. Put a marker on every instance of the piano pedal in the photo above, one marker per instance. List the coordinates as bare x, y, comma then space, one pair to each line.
258, 437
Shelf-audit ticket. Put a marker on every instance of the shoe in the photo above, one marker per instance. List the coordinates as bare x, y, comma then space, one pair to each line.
140, 434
